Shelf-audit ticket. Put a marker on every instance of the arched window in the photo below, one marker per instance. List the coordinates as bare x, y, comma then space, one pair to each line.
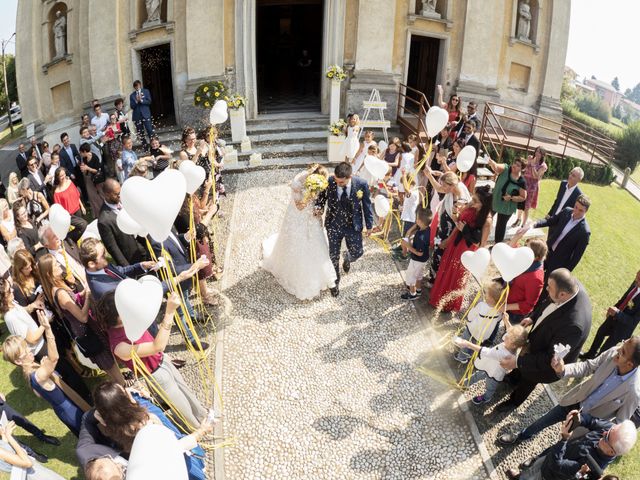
57, 22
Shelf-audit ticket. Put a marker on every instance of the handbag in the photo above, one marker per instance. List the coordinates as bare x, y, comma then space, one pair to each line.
86, 339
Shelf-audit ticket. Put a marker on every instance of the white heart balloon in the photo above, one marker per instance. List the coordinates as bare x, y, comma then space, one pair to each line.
193, 174
436, 120
219, 113
377, 168
91, 231
382, 146
154, 204
466, 158
60, 220
476, 262
510, 261
382, 206
138, 303
155, 453
128, 225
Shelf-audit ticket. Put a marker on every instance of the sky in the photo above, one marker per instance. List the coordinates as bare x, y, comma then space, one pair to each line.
603, 41
602, 38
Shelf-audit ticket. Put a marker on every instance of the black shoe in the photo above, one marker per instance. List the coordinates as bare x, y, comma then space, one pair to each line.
512, 474
418, 291
527, 463
409, 296
204, 345
50, 440
41, 457
509, 439
335, 291
505, 407
178, 363
346, 264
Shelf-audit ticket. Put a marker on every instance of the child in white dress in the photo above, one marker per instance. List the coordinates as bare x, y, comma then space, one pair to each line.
488, 362
482, 319
350, 146
407, 167
363, 151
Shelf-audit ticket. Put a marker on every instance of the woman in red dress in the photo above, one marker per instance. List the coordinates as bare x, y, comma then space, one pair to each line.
68, 196
472, 229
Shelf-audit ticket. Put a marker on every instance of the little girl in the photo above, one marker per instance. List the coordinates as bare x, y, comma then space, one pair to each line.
350, 145
407, 167
363, 151
482, 320
488, 362
362, 172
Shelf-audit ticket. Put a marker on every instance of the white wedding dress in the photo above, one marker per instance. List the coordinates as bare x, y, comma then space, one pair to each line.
298, 255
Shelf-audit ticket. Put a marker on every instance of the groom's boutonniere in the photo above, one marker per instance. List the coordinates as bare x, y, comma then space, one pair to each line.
359, 194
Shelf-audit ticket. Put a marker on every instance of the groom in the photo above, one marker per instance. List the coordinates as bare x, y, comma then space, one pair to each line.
348, 204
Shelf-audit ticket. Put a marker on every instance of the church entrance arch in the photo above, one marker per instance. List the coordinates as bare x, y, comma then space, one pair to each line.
289, 56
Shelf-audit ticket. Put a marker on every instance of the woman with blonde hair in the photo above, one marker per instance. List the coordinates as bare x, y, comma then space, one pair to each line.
12, 188
7, 225
73, 310
298, 255
43, 379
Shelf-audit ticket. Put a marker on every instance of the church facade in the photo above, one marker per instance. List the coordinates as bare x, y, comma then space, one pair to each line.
276, 52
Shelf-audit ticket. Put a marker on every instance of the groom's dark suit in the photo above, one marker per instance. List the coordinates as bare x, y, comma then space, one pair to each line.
347, 209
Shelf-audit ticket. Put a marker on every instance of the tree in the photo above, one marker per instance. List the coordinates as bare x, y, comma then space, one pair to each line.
627, 92
11, 80
615, 83
634, 95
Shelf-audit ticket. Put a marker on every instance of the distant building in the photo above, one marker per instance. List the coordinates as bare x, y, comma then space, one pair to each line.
570, 76
605, 91
631, 109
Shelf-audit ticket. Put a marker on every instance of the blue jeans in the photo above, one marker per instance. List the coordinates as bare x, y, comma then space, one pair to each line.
491, 384
553, 416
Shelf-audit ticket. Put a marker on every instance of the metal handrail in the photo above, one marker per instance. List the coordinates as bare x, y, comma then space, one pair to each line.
422, 105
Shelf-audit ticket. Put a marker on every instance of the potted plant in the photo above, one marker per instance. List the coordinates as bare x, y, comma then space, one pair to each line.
336, 74
335, 141
236, 104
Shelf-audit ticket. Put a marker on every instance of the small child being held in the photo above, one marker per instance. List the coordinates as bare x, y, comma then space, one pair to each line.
482, 320
488, 362
419, 250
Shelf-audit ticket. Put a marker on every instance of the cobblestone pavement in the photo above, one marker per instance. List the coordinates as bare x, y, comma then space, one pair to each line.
329, 389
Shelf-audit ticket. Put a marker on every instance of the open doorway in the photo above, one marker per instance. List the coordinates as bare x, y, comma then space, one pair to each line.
155, 64
424, 54
289, 55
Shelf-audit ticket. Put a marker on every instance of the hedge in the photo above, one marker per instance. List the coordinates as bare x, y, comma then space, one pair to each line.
610, 130
559, 168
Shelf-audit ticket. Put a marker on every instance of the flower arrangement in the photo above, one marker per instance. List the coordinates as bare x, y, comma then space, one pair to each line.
209, 93
334, 72
313, 185
337, 128
235, 101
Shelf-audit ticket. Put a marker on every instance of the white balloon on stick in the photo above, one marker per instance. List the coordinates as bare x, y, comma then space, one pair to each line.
510, 261
138, 303
60, 220
476, 262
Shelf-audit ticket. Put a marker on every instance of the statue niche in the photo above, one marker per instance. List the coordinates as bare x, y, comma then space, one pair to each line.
58, 45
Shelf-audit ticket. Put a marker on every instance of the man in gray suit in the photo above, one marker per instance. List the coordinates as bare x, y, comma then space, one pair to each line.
611, 392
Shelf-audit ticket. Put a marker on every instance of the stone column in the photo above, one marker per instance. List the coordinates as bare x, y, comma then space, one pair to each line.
103, 48
374, 55
28, 72
333, 46
481, 50
556, 49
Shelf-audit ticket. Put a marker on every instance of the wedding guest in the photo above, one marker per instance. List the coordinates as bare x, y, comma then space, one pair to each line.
67, 404
218, 162
568, 192
93, 170
12, 188
122, 414
151, 352
416, 242
407, 167
468, 137
525, 289
453, 108
139, 102
70, 160
67, 195
472, 228
533, 173
100, 120
73, 308
392, 155
35, 203
35, 177
121, 116
26, 230
128, 157
7, 224
18, 319
161, 159
443, 223
85, 120
49, 178
358, 160
19, 419
112, 134
12, 454
21, 161
15, 245
469, 177
46, 157
509, 189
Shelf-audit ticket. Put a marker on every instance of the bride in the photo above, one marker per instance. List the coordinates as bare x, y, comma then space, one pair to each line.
298, 256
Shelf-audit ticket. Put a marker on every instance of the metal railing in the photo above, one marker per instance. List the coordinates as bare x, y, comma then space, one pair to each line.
569, 133
412, 111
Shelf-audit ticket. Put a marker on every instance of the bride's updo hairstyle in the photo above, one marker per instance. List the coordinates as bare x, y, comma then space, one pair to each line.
318, 169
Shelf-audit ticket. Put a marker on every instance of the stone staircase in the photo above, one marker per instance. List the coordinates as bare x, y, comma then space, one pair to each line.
283, 139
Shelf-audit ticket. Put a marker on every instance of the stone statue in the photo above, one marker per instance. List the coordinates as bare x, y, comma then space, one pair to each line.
153, 11
524, 21
429, 9
60, 35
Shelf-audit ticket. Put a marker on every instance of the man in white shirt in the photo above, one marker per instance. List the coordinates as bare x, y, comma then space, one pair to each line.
568, 192
100, 120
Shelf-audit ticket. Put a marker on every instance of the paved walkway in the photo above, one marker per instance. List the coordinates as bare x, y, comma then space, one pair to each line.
328, 389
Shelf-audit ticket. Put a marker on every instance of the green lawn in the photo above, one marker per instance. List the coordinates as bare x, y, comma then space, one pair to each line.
5, 135
606, 270
608, 266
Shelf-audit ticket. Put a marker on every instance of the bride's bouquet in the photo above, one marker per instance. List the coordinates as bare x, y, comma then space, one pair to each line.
313, 185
